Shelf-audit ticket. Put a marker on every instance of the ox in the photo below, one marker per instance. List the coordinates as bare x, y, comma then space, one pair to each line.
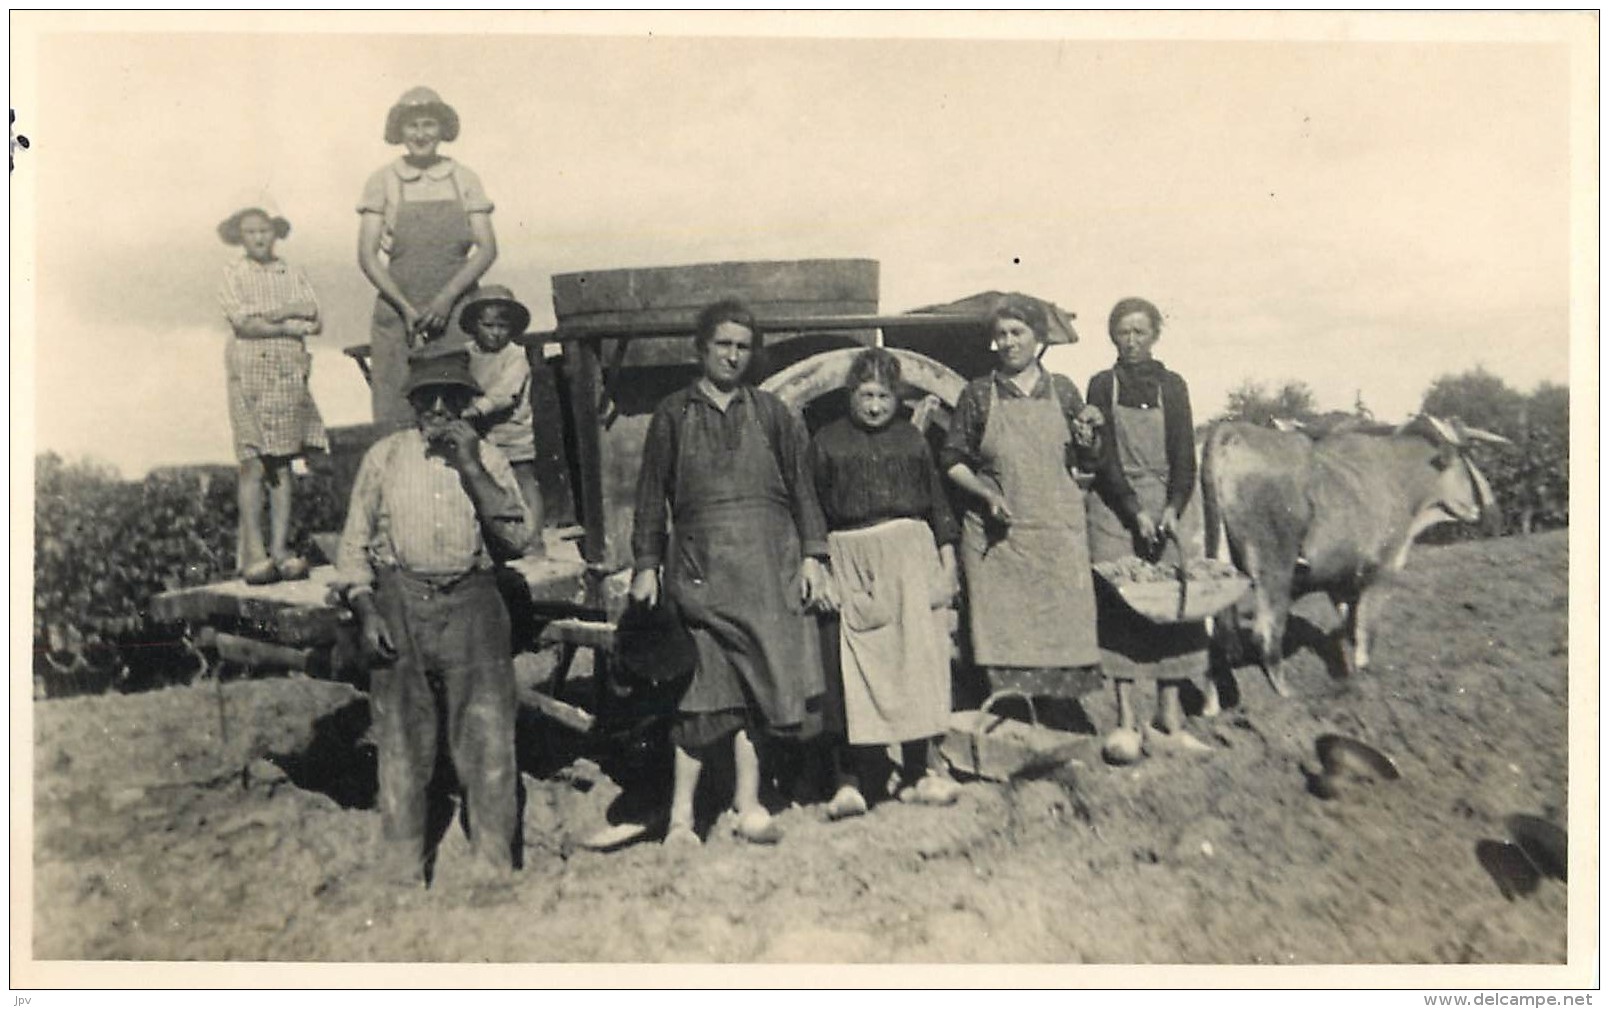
1334, 515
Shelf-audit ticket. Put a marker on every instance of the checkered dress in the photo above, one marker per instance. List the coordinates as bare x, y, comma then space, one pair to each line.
271, 409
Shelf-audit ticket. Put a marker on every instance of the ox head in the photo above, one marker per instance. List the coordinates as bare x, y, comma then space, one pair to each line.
1462, 493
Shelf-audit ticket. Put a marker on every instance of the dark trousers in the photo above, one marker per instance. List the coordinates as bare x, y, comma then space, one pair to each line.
453, 680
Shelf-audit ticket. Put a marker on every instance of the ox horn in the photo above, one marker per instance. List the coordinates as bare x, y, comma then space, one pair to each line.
1438, 430
1480, 434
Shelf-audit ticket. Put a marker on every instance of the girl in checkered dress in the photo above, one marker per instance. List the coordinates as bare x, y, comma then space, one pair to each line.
271, 308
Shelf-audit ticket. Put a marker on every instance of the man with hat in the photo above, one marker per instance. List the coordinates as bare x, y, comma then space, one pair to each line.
433, 509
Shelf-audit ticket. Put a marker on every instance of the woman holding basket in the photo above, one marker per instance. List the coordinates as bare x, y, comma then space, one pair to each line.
1141, 506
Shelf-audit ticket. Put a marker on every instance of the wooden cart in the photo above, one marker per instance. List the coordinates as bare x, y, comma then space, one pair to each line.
622, 342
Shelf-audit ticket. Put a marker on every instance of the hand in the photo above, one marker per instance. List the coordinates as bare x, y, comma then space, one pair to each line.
377, 637
433, 320
813, 583
997, 508
645, 588
1086, 423
459, 439
1146, 526
1168, 524
410, 324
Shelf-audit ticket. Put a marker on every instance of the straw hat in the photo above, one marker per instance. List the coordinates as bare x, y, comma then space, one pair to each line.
484, 298
229, 227
420, 101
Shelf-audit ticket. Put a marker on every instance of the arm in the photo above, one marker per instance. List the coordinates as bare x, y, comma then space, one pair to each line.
792, 442
1179, 435
507, 383
654, 478
961, 456
488, 479
369, 234
253, 325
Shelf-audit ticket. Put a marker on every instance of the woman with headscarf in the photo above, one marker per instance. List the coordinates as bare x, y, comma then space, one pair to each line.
430, 218
1014, 438
1139, 506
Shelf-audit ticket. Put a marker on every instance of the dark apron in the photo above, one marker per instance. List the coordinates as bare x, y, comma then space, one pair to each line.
429, 244
733, 569
1029, 590
1131, 646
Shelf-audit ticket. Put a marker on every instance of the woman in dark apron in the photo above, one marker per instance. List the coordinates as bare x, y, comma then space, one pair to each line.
741, 563
1143, 503
430, 218
1024, 549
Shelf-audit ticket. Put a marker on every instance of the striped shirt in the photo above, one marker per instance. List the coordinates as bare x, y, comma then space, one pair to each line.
251, 289
409, 510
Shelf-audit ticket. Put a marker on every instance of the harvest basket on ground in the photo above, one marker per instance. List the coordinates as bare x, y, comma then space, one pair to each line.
1166, 593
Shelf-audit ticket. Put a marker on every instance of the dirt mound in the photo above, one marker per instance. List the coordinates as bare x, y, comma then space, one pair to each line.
235, 823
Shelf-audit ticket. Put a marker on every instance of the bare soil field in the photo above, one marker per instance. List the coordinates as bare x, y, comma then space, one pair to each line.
235, 822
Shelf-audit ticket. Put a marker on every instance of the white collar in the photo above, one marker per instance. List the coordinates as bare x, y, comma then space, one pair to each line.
412, 173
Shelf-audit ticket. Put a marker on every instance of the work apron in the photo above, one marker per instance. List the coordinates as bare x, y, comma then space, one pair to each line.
1029, 585
733, 571
894, 654
1131, 646
430, 241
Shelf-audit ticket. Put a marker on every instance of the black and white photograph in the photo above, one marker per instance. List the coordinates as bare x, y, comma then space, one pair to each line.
969, 498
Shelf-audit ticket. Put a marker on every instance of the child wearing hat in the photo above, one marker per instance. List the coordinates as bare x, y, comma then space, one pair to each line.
502, 412
271, 308
434, 509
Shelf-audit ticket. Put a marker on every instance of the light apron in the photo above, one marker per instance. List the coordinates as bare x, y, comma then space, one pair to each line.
894, 652
1029, 587
1131, 646
733, 570
429, 244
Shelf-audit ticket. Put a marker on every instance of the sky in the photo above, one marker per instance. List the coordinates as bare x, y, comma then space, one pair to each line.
1362, 216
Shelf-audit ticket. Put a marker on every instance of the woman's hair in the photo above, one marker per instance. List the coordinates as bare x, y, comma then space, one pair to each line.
727, 310
1025, 310
1128, 306
874, 364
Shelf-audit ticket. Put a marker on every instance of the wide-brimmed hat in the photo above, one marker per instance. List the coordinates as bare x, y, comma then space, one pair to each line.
420, 102
229, 227
436, 365
486, 297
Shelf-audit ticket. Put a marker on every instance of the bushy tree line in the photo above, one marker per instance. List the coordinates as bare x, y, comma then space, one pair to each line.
104, 546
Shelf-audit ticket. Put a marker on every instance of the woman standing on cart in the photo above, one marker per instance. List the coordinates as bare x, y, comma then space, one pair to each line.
1139, 506
432, 220
1013, 439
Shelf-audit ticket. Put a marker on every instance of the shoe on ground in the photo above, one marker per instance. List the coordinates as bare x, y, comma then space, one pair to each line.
681, 836
931, 790
292, 569
757, 827
263, 572
847, 802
